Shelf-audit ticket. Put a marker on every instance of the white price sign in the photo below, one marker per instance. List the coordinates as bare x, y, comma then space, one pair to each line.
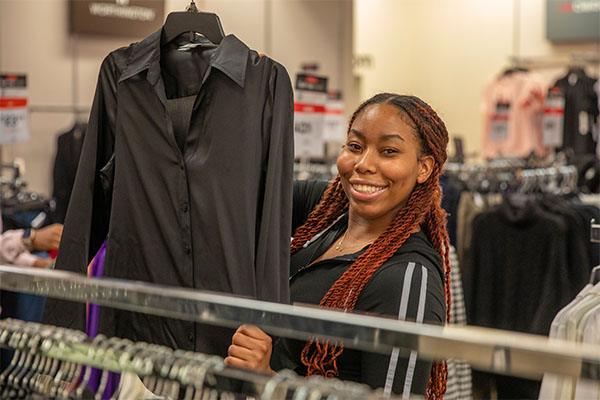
553, 120
309, 116
14, 112
499, 123
334, 125
308, 130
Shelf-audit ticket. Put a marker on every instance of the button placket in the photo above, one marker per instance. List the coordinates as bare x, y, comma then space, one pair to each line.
186, 230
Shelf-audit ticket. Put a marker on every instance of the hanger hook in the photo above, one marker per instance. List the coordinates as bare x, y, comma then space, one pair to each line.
192, 7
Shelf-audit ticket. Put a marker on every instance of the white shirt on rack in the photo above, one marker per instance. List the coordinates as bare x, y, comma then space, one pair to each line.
587, 389
555, 386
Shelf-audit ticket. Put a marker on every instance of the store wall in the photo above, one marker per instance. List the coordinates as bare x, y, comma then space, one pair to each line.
446, 52
62, 69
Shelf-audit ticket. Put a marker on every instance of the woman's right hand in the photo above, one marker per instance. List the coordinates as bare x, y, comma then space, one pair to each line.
47, 238
251, 349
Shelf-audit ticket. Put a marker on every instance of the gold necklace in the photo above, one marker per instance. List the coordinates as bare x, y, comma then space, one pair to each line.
339, 245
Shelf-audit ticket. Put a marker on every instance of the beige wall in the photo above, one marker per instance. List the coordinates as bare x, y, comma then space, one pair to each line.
443, 51
34, 40
446, 51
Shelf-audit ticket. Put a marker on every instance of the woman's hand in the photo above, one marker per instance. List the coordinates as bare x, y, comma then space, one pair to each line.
42, 262
47, 238
251, 348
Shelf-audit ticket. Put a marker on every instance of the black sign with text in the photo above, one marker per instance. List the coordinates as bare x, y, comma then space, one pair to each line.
129, 18
572, 20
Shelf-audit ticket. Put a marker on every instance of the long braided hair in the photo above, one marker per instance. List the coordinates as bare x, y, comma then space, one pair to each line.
423, 209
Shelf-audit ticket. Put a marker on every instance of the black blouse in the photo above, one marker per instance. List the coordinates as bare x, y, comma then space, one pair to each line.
210, 209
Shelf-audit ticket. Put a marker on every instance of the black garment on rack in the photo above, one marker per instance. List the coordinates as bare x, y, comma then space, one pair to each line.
68, 151
413, 274
581, 111
214, 217
518, 279
452, 190
519, 268
579, 264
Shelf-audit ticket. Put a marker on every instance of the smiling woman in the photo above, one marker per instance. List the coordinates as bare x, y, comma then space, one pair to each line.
373, 240
380, 164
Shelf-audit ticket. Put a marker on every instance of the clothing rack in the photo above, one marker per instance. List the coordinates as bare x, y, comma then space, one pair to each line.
541, 62
165, 371
68, 109
513, 174
499, 351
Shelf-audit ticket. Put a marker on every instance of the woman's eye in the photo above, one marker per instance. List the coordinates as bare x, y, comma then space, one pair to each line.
354, 146
389, 151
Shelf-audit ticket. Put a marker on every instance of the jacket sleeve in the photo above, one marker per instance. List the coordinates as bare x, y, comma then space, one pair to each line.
408, 291
273, 243
86, 223
307, 194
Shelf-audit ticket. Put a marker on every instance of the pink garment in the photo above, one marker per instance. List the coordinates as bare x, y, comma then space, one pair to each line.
523, 94
12, 250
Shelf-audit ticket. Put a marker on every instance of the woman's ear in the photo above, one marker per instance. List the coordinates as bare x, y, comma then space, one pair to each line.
425, 168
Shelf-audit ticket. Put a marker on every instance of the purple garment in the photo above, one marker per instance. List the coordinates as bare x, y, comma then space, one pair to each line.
91, 329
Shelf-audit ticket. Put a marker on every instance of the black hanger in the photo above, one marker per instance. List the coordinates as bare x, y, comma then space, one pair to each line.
511, 70
208, 24
595, 276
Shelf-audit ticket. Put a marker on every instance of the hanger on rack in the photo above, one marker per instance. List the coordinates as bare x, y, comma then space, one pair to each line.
173, 371
513, 69
205, 23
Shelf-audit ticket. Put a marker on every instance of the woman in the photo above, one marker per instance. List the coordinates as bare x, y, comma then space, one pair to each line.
374, 242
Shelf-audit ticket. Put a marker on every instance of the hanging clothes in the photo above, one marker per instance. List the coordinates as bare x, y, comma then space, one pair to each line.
459, 385
578, 321
452, 189
471, 204
68, 151
528, 259
581, 112
513, 107
211, 215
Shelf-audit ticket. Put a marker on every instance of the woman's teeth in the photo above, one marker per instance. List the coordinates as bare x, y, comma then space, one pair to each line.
367, 188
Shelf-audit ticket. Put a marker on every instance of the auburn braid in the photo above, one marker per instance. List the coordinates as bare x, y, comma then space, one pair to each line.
423, 209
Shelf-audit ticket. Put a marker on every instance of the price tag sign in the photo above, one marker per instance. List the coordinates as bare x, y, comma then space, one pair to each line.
14, 111
334, 125
309, 116
499, 123
553, 120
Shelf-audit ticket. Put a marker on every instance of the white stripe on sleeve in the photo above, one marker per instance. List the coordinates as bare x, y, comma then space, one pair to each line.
389, 380
412, 361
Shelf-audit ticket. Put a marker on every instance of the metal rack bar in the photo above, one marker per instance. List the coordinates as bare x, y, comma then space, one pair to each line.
556, 61
67, 109
494, 350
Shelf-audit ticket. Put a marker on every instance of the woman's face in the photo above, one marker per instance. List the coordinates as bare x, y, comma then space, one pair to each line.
380, 163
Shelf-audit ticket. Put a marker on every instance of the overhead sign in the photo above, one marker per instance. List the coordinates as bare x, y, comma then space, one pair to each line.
569, 20
14, 111
131, 18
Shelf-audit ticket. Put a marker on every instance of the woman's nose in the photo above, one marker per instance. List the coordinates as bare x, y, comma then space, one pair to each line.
366, 162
